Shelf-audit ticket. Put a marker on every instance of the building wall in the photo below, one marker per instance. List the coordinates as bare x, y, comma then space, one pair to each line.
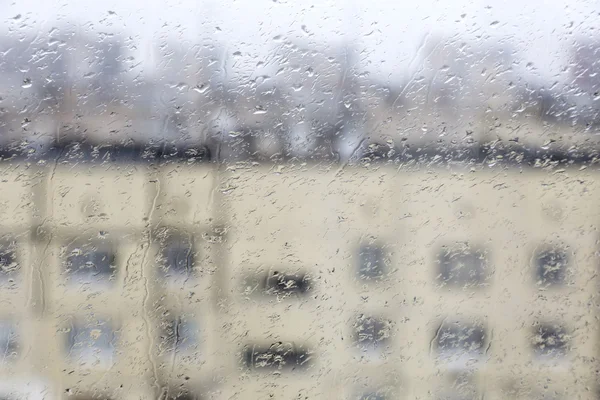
251, 224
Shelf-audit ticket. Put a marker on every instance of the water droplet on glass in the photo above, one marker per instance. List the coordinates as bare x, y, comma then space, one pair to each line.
201, 89
259, 111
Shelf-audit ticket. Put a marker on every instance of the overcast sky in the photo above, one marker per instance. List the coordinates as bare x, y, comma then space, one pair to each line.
390, 33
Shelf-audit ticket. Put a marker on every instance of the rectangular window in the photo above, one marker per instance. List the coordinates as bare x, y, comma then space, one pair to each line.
371, 262
178, 257
462, 266
180, 335
550, 340
9, 343
460, 343
8, 261
372, 334
277, 356
91, 343
281, 284
90, 263
551, 266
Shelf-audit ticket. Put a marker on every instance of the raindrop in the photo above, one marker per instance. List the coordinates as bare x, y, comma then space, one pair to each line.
200, 89
259, 111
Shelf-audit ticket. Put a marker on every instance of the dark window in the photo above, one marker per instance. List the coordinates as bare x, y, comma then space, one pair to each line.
8, 260
460, 341
90, 264
277, 356
178, 255
550, 341
371, 334
551, 267
371, 262
91, 342
278, 283
8, 341
180, 335
462, 266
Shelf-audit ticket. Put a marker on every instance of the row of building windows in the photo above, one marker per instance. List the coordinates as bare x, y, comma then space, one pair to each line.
460, 343
456, 343
92, 262
95, 262
94, 343
458, 266
462, 265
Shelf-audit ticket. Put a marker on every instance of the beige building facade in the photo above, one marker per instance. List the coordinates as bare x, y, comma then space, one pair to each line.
312, 281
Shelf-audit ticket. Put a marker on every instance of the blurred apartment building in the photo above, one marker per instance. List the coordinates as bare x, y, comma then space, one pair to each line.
432, 239
287, 281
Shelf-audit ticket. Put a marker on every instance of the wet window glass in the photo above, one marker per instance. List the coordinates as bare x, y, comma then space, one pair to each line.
371, 262
462, 266
9, 341
90, 264
277, 356
91, 343
178, 258
550, 341
372, 335
460, 343
8, 262
277, 199
280, 283
551, 267
180, 335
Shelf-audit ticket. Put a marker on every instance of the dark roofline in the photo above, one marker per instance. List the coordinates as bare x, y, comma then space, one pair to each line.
507, 154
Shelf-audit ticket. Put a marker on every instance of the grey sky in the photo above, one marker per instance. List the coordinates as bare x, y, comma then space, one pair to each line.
389, 32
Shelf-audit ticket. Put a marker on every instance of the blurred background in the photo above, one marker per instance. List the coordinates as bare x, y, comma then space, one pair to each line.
271, 199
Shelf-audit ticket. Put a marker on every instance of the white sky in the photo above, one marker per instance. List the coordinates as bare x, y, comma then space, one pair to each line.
388, 31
